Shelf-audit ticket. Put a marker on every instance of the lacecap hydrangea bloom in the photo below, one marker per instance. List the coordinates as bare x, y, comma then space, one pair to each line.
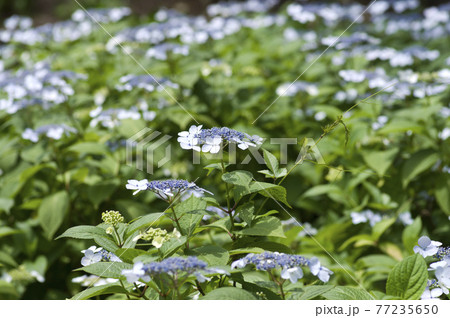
441, 284
211, 140
173, 266
291, 265
164, 188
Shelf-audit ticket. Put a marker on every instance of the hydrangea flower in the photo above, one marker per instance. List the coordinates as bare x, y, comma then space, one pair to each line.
112, 117
431, 293
211, 140
441, 284
91, 256
293, 274
321, 272
443, 278
138, 185
405, 218
164, 188
135, 274
290, 265
173, 266
146, 82
97, 254
36, 85
365, 216
93, 280
53, 131
427, 247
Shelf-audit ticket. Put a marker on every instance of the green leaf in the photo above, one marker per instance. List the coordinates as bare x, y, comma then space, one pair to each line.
6, 204
408, 279
267, 226
418, 163
52, 211
442, 195
191, 204
229, 293
347, 293
322, 189
400, 125
380, 161
106, 269
107, 243
246, 250
211, 254
381, 227
8, 291
223, 224
411, 234
89, 148
311, 292
269, 190
7, 259
171, 246
129, 254
273, 246
238, 177
6, 231
83, 232
113, 288
271, 161
214, 166
100, 192
189, 222
246, 211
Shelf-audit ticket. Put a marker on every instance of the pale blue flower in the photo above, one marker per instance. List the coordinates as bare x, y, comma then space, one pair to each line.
138, 185
293, 274
91, 256
426, 247
321, 272
135, 274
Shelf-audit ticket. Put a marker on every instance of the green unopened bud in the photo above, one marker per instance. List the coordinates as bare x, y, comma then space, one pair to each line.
110, 230
20, 274
112, 217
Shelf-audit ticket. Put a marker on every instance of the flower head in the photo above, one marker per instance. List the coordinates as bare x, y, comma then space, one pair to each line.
290, 265
181, 267
211, 140
91, 256
432, 291
427, 247
164, 188
112, 217
97, 254
157, 236
138, 185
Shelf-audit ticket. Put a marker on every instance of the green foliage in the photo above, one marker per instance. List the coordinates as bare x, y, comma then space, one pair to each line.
408, 278
300, 199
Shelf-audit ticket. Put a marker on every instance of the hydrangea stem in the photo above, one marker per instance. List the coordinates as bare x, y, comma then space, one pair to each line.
119, 242
280, 284
176, 220
230, 211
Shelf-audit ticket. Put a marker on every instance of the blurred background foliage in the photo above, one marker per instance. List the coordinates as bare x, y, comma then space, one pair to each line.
391, 170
